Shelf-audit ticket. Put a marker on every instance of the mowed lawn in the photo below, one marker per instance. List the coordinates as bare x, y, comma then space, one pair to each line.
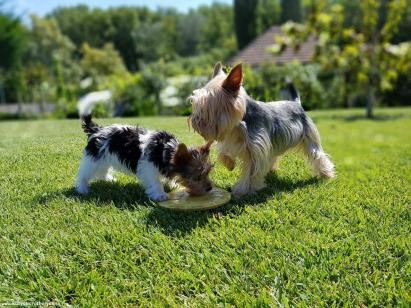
300, 242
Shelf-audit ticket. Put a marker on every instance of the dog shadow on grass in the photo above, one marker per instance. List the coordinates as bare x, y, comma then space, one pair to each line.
131, 196
125, 196
180, 223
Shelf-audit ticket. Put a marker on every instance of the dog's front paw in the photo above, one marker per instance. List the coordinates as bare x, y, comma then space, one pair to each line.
237, 195
159, 196
227, 161
257, 186
239, 192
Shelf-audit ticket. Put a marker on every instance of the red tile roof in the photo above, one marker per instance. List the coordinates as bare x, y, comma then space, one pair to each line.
256, 52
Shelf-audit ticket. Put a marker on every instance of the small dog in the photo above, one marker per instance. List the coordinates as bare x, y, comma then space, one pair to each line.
256, 132
150, 155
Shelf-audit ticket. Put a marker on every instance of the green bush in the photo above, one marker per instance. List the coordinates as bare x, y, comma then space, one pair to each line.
183, 92
266, 83
135, 94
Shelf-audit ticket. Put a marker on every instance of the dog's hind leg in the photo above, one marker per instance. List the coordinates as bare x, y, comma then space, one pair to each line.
105, 173
319, 160
244, 183
257, 183
109, 177
258, 178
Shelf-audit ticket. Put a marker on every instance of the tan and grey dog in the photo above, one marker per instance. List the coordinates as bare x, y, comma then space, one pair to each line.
256, 132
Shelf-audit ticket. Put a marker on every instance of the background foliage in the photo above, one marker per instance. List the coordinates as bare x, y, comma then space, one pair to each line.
362, 51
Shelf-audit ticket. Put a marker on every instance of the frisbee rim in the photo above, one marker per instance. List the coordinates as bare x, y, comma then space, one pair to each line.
205, 208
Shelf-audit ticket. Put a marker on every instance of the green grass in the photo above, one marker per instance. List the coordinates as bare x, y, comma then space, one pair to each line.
299, 242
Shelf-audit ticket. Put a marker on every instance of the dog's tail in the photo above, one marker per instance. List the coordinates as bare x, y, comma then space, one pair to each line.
89, 127
293, 92
87, 102
320, 161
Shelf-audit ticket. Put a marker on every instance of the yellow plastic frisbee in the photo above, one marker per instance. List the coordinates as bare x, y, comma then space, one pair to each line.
182, 201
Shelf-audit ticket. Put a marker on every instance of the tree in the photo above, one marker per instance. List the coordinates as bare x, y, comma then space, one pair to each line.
48, 43
121, 26
13, 38
366, 52
352, 18
205, 29
189, 27
291, 10
253, 17
217, 30
141, 35
74, 22
98, 27
13, 44
123, 22
268, 14
150, 42
101, 62
404, 32
49, 49
245, 21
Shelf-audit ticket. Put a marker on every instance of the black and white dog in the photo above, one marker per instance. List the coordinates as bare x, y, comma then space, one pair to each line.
149, 155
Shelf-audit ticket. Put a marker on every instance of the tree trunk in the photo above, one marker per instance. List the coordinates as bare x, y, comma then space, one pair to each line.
19, 108
19, 104
291, 10
159, 103
370, 100
42, 102
2, 94
373, 78
346, 96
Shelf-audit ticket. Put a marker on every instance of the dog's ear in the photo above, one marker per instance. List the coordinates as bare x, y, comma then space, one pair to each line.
234, 80
218, 68
182, 155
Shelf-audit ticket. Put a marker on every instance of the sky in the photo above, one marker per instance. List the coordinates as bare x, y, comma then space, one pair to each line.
42, 7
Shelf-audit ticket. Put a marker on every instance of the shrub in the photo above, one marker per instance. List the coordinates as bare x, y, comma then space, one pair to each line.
268, 81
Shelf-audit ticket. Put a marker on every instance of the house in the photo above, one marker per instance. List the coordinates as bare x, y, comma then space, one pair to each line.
256, 52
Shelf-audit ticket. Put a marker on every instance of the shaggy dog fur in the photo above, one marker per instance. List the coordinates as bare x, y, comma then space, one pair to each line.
256, 132
150, 155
